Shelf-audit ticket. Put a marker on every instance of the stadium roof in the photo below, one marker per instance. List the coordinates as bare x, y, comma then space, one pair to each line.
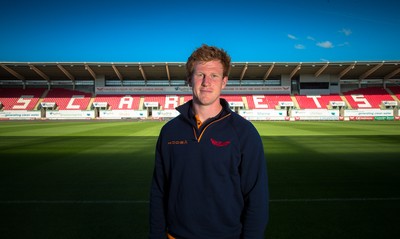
167, 71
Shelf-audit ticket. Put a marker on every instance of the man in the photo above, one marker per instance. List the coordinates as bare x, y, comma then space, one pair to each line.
210, 178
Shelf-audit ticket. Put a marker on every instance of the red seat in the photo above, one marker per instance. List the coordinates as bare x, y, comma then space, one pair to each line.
266, 101
68, 99
316, 101
367, 98
20, 99
120, 102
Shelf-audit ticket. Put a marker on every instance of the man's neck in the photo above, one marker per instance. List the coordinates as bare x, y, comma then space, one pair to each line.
205, 112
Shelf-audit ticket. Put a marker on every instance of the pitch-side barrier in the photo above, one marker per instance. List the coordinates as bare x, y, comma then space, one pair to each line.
260, 114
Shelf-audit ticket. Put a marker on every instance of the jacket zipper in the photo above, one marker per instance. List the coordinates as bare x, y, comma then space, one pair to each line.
202, 132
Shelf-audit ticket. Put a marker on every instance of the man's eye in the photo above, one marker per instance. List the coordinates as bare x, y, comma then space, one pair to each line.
215, 76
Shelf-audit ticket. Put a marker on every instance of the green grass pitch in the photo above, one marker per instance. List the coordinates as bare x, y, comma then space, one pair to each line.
91, 179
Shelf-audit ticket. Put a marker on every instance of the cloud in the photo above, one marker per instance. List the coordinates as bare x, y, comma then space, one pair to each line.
344, 44
310, 38
299, 46
292, 37
346, 32
325, 44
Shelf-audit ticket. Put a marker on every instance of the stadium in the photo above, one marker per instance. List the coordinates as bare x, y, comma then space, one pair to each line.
77, 144
257, 91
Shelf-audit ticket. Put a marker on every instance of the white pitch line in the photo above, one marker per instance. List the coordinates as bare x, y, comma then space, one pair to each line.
146, 201
74, 202
335, 199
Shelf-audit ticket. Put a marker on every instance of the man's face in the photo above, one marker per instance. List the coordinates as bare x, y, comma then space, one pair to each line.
207, 82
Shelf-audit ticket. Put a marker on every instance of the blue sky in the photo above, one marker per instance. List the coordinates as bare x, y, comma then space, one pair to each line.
168, 31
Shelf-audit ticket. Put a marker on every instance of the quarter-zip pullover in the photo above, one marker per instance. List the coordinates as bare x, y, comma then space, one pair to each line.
209, 182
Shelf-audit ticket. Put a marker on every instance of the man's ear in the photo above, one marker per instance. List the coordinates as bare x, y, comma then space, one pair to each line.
224, 81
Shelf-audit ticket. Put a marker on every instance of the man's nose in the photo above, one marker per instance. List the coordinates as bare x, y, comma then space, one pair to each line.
206, 80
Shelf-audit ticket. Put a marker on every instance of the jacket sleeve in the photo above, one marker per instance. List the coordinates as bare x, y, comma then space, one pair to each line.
158, 196
254, 184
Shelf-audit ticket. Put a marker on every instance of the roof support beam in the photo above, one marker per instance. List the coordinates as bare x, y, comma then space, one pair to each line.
243, 72
167, 69
117, 72
370, 71
90, 71
269, 71
319, 72
391, 74
12, 72
39, 72
344, 72
295, 70
71, 77
143, 73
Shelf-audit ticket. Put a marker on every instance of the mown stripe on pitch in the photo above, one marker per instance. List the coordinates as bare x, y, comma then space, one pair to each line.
146, 201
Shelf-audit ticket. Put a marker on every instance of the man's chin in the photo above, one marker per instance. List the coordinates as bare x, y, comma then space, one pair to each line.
205, 101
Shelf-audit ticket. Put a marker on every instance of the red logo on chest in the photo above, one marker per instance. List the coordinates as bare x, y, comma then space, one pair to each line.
219, 143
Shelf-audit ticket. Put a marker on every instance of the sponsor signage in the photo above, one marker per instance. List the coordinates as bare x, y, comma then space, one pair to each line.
123, 114
19, 114
315, 112
384, 118
337, 103
69, 114
262, 113
100, 104
266, 114
188, 90
157, 114
389, 103
367, 112
286, 104
236, 104
151, 104
257, 90
48, 104
377, 118
352, 118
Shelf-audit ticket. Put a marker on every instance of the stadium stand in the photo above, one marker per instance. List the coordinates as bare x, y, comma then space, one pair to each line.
233, 98
186, 98
68, 99
165, 102
367, 98
292, 91
316, 101
27, 99
120, 102
266, 101
395, 90
20, 99
236, 101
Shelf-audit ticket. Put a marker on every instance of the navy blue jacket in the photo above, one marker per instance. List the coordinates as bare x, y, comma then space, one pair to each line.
210, 183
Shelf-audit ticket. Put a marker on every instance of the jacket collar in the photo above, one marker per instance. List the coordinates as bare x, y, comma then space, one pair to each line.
186, 111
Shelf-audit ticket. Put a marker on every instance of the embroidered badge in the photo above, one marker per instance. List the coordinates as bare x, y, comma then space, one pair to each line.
220, 143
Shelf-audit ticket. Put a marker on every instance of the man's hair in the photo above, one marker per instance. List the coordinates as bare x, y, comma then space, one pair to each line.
208, 53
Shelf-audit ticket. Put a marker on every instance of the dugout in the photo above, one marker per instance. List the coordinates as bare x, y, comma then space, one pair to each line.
150, 106
236, 106
286, 105
393, 105
44, 106
338, 105
99, 106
